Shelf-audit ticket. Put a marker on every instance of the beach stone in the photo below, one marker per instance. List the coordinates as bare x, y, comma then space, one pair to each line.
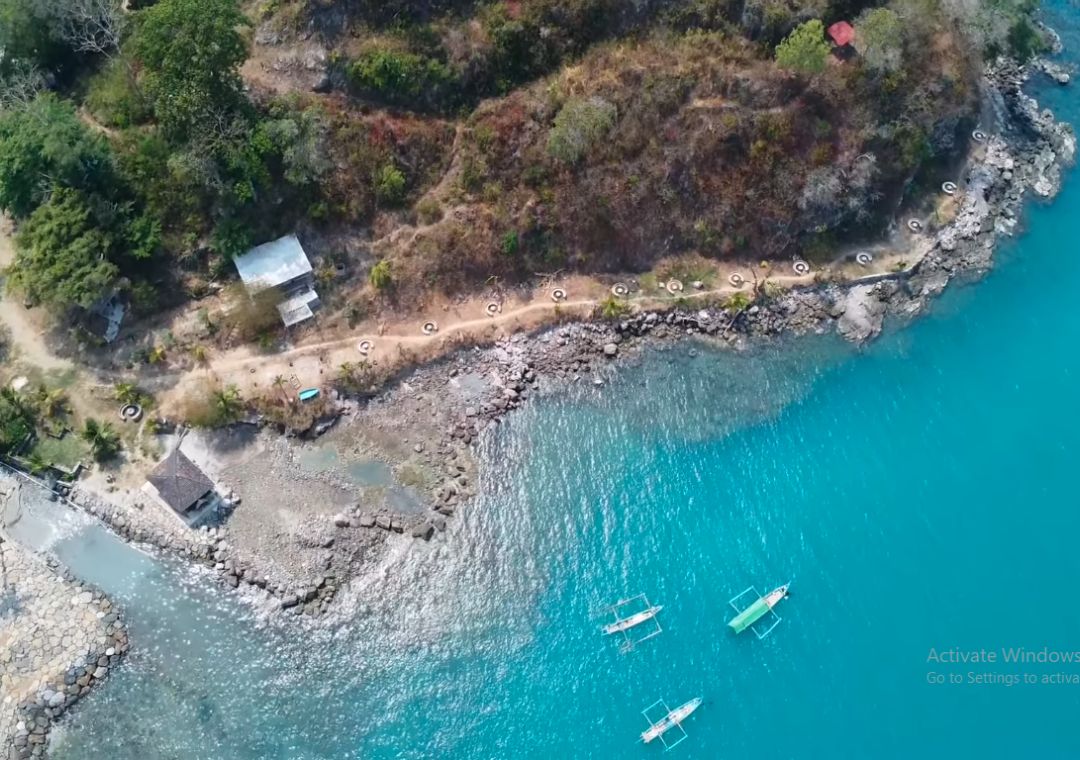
341, 520
424, 531
367, 521
383, 522
610, 349
290, 601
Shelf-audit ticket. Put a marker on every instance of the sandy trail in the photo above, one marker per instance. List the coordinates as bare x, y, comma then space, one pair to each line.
309, 363
27, 339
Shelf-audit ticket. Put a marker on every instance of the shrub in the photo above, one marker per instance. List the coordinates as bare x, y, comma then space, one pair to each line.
114, 99
428, 211
232, 237
805, 49
380, 276
737, 301
879, 39
390, 185
612, 308
401, 78
510, 243
579, 125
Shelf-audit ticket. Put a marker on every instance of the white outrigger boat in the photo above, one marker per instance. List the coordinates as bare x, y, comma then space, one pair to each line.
625, 624
672, 719
644, 612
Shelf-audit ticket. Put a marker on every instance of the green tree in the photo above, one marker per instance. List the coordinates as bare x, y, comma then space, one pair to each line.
103, 440
805, 49
63, 256
191, 52
27, 37
879, 39
45, 145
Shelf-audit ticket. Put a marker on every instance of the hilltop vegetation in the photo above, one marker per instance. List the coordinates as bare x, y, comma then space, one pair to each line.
470, 139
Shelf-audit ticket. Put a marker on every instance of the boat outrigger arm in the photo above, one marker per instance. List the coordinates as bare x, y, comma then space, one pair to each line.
668, 721
645, 612
762, 606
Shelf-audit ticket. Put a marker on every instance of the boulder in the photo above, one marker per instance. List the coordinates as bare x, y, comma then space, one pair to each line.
424, 531
863, 314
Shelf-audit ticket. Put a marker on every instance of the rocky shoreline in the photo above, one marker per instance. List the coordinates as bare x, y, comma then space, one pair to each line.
1025, 154
445, 406
61, 619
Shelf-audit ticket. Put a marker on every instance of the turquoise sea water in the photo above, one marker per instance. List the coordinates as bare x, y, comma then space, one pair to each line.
920, 494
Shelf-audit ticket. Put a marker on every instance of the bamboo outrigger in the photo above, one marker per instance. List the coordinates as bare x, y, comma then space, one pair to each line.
671, 719
646, 613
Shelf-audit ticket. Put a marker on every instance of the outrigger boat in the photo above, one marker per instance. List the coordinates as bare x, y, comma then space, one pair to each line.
625, 624
645, 612
761, 606
670, 720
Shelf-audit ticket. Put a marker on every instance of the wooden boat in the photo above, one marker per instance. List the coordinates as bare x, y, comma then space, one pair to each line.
626, 623
758, 609
671, 720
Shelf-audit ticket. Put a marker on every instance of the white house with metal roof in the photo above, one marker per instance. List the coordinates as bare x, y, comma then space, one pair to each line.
282, 264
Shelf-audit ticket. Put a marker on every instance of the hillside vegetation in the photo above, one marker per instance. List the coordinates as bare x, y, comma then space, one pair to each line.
470, 139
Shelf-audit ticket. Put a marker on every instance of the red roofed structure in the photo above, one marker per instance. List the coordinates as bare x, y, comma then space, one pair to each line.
842, 33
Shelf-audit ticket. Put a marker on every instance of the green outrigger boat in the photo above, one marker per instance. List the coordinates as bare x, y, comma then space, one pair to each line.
759, 608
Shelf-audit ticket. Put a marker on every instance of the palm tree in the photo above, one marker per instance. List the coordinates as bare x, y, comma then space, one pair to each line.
36, 463
279, 383
228, 404
103, 440
51, 404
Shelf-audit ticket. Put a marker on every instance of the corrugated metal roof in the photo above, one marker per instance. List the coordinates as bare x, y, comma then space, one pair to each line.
297, 308
272, 264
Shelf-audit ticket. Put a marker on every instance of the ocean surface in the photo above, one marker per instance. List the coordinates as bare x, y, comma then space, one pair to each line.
920, 494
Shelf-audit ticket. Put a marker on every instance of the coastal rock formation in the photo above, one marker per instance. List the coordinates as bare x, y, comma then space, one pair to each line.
863, 313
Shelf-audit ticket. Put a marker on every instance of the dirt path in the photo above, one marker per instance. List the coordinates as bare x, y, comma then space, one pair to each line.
27, 339
310, 364
399, 343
